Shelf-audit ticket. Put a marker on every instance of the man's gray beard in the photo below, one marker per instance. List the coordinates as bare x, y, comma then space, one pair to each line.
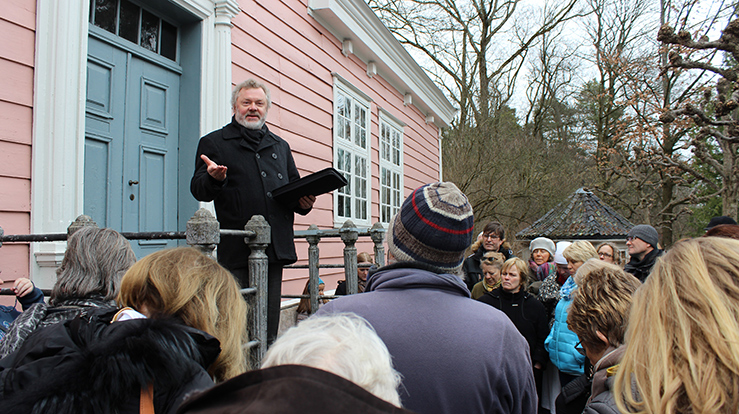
256, 125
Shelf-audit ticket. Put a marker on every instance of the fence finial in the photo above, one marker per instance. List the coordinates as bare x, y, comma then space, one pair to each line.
80, 222
203, 231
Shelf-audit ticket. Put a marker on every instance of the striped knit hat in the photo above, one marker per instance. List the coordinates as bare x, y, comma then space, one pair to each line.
434, 227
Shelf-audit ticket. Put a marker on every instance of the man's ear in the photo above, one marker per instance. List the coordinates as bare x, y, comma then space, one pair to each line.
602, 337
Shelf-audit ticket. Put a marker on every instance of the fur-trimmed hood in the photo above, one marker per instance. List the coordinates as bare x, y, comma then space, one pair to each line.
88, 365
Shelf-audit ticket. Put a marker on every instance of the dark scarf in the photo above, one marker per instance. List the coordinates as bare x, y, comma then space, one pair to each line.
252, 137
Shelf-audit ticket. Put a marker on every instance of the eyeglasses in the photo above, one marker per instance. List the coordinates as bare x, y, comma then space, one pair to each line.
628, 239
603, 254
490, 236
579, 348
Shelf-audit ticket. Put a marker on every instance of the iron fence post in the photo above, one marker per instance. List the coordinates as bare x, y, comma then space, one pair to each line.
377, 234
313, 259
258, 264
349, 236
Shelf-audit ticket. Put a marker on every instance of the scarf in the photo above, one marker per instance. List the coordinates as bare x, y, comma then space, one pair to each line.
251, 137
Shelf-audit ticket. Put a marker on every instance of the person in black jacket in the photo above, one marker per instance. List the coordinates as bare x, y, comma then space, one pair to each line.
184, 326
524, 310
491, 240
238, 167
643, 247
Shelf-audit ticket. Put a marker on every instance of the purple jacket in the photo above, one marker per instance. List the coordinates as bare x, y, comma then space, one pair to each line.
456, 355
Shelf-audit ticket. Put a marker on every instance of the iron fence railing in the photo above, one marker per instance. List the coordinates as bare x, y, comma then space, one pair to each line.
203, 232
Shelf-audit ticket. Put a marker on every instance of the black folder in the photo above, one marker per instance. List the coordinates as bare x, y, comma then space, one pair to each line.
318, 183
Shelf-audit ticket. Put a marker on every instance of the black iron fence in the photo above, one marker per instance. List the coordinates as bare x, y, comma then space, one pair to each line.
203, 232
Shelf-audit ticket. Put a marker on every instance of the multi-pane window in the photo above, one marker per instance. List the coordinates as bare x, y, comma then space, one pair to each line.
135, 24
351, 155
391, 169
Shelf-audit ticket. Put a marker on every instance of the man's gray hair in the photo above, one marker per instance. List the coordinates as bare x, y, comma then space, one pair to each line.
250, 83
344, 344
93, 265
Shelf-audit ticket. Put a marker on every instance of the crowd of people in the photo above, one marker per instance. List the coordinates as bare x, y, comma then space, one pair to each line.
447, 326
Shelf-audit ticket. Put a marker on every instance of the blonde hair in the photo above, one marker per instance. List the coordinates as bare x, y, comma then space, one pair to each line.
523, 270
601, 303
580, 251
185, 283
682, 352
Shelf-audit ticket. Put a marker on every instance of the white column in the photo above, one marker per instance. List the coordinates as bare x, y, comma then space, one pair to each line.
216, 92
216, 87
59, 127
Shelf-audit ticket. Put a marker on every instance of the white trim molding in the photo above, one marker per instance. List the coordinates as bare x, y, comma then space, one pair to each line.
373, 42
59, 128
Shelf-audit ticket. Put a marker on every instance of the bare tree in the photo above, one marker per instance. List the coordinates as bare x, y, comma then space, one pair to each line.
649, 160
716, 145
550, 90
478, 45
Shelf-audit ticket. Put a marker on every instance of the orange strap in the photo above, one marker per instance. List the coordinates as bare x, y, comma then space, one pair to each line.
146, 403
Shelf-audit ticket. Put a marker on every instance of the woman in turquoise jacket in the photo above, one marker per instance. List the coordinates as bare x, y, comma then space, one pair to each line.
561, 342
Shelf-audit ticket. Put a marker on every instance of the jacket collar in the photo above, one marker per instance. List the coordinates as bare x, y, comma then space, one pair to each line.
233, 131
412, 275
648, 259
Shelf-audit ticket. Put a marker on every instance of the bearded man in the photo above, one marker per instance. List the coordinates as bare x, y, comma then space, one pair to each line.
238, 167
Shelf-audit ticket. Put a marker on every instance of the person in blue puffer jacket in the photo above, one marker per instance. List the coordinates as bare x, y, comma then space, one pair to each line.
562, 342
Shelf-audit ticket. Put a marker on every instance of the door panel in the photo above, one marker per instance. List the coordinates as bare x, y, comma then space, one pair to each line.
132, 111
105, 110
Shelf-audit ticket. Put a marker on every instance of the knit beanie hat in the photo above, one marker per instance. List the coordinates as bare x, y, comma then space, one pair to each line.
543, 243
559, 258
433, 226
646, 233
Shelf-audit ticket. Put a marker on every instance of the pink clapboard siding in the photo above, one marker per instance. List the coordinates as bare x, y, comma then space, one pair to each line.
278, 42
17, 22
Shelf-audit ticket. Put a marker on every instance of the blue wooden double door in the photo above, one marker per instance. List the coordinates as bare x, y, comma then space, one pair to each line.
131, 139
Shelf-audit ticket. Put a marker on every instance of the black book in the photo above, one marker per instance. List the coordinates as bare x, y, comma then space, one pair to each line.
318, 183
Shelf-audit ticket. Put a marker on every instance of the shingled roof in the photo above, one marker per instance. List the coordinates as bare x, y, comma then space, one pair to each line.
582, 216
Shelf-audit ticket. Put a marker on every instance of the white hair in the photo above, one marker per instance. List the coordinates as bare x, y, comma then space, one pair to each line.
344, 344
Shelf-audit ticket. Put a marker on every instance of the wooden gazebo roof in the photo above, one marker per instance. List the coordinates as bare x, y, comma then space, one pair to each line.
582, 216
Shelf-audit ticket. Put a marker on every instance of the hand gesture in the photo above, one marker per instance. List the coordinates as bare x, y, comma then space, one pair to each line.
214, 170
22, 287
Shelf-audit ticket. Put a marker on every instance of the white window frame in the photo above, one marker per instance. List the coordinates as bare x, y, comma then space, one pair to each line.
348, 154
391, 166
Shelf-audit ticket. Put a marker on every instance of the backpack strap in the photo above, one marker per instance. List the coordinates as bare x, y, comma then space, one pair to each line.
146, 402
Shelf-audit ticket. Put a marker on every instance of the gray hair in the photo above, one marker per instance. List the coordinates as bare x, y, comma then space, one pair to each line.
250, 83
93, 265
344, 344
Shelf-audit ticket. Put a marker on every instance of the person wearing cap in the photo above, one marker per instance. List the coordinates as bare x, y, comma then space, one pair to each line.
642, 243
717, 221
541, 261
421, 309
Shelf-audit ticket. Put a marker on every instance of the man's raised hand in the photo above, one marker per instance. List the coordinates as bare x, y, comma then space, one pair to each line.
214, 170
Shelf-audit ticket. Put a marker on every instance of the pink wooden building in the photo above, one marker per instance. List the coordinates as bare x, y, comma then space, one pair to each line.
103, 101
